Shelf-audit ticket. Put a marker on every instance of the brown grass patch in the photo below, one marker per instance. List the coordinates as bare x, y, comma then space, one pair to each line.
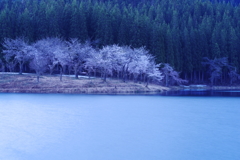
27, 83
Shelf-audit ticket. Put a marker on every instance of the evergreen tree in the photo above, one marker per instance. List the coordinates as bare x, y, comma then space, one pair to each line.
78, 22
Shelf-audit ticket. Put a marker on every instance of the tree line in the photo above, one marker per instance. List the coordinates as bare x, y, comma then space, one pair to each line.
178, 32
67, 57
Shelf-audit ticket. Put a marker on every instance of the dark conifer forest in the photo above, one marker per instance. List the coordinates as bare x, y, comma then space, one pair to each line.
182, 33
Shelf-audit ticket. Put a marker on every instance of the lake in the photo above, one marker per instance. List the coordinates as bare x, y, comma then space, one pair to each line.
116, 127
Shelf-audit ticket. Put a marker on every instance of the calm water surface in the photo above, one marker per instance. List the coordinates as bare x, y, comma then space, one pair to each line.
101, 127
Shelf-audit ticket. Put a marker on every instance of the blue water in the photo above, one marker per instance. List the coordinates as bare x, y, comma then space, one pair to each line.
101, 127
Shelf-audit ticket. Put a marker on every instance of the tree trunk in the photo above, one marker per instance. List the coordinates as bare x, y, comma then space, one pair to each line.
69, 69
51, 71
135, 78
20, 68
118, 74
147, 82
89, 73
61, 72
25, 68
141, 77
64, 69
95, 72
38, 76
212, 81
105, 76
166, 84
76, 71
3, 68
124, 75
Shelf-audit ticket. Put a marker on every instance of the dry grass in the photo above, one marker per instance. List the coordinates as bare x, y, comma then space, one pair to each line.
52, 84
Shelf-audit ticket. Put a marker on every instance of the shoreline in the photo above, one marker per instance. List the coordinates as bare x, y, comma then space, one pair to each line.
204, 87
51, 84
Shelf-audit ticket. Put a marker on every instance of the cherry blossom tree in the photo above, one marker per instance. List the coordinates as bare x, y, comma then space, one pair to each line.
49, 46
153, 73
10, 64
92, 62
55, 50
142, 65
77, 54
142, 59
106, 62
38, 62
233, 75
170, 74
16, 52
61, 56
216, 66
117, 59
135, 64
126, 59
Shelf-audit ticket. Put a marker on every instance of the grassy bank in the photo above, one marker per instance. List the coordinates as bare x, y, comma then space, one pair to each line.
27, 83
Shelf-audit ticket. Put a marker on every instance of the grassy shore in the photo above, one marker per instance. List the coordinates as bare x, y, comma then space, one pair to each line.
27, 83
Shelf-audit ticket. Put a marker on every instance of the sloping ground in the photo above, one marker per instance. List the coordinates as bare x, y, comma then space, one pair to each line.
52, 84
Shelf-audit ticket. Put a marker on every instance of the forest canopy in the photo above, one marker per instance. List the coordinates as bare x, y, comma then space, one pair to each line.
178, 32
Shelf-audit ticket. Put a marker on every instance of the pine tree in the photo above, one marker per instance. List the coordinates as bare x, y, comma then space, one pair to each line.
234, 48
78, 23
